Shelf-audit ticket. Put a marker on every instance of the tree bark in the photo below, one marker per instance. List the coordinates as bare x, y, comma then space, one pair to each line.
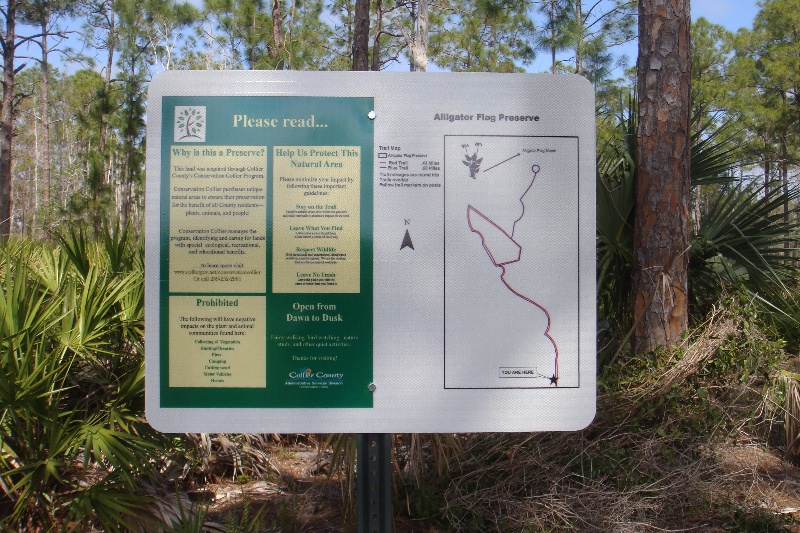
7, 117
376, 39
361, 36
767, 172
249, 44
420, 56
785, 179
47, 182
277, 33
417, 40
125, 203
552, 36
579, 44
661, 228
103, 159
111, 46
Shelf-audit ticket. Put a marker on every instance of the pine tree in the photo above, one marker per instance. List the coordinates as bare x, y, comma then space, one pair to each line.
662, 220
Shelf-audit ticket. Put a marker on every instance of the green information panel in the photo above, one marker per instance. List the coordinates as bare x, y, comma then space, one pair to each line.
266, 231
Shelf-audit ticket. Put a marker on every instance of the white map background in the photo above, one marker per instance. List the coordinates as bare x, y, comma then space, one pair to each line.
488, 328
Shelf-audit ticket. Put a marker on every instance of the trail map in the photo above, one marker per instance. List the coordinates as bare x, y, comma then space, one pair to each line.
507, 203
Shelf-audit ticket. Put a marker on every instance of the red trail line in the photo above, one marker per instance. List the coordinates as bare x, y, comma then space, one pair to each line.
471, 210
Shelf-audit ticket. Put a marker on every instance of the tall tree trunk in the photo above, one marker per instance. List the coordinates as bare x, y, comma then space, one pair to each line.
47, 183
697, 210
421, 39
552, 36
417, 40
767, 173
361, 36
661, 228
277, 32
251, 48
787, 245
376, 39
785, 177
103, 158
125, 203
7, 117
579, 44
103, 134
37, 155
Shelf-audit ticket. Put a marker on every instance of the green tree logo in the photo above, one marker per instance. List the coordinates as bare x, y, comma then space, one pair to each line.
190, 124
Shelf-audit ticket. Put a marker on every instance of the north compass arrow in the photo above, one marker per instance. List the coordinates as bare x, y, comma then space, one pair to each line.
407, 241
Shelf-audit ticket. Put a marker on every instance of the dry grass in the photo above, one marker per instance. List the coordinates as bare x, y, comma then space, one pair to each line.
658, 456
614, 481
791, 388
686, 360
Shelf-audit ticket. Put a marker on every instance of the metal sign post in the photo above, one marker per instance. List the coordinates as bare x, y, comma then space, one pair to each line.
374, 483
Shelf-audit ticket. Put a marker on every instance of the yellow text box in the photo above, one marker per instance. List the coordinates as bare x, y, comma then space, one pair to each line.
218, 213
217, 341
316, 219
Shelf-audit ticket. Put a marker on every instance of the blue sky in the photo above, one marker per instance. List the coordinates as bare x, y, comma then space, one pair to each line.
733, 14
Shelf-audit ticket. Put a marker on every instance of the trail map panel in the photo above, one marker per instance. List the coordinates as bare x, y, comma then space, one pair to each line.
511, 230
370, 252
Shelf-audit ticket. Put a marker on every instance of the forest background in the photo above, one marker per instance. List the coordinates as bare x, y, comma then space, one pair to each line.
75, 450
82, 68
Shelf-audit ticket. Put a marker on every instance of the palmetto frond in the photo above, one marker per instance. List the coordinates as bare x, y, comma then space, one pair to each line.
73, 442
743, 237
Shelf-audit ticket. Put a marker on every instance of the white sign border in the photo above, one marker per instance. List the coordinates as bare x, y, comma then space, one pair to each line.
402, 403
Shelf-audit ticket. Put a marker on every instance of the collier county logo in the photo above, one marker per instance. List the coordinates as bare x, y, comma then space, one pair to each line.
307, 378
190, 123
303, 373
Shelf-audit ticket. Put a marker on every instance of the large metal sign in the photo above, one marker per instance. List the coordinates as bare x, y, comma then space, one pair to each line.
370, 252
